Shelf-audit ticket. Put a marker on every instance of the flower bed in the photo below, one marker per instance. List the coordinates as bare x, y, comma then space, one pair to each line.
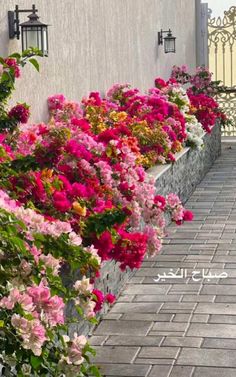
75, 192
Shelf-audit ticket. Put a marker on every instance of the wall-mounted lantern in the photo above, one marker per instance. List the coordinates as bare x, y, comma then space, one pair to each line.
33, 32
169, 40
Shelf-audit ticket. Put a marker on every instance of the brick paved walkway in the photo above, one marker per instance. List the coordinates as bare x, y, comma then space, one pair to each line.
181, 327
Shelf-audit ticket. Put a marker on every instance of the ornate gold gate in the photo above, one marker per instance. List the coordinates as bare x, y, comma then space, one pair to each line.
222, 62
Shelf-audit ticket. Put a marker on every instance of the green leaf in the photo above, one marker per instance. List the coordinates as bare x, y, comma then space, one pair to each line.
95, 371
35, 63
35, 361
1, 323
15, 55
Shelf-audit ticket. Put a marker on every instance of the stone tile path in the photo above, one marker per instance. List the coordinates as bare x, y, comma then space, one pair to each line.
180, 327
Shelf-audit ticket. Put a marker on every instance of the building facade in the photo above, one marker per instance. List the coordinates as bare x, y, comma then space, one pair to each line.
96, 43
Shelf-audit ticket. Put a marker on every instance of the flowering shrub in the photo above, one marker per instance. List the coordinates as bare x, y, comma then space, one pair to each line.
200, 92
33, 297
74, 192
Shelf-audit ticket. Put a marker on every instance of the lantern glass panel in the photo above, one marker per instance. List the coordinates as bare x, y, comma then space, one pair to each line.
45, 41
169, 44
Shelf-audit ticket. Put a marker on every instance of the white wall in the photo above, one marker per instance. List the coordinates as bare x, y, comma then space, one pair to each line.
96, 43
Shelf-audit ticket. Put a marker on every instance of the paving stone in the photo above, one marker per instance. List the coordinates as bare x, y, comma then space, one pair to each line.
222, 319
179, 307
157, 298
216, 308
115, 354
97, 340
125, 298
219, 343
158, 352
124, 370
218, 290
180, 371
147, 317
112, 316
122, 340
136, 307
155, 361
212, 330
228, 299
182, 342
146, 289
214, 372
198, 298
169, 326
207, 357
166, 333
184, 288
109, 327
160, 371
200, 318
181, 318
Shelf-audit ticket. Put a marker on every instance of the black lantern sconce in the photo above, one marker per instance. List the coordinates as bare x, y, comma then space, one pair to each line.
33, 32
169, 40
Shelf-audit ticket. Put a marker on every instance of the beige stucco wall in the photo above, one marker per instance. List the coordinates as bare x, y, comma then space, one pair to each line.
95, 43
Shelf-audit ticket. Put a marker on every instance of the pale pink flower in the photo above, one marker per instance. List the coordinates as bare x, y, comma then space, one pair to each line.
25, 268
173, 200
75, 350
83, 286
51, 262
75, 239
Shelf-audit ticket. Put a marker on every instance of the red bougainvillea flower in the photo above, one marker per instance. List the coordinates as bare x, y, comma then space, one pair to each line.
20, 112
12, 63
188, 216
99, 299
110, 298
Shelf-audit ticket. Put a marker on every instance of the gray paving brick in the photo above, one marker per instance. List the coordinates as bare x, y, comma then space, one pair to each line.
115, 354
160, 371
109, 327
169, 326
179, 307
181, 317
147, 317
166, 333
124, 340
180, 371
182, 342
154, 361
112, 316
200, 318
218, 290
157, 298
214, 372
198, 298
222, 319
124, 370
136, 307
216, 308
219, 343
158, 352
146, 289
97, 340
207, 357
212, 330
